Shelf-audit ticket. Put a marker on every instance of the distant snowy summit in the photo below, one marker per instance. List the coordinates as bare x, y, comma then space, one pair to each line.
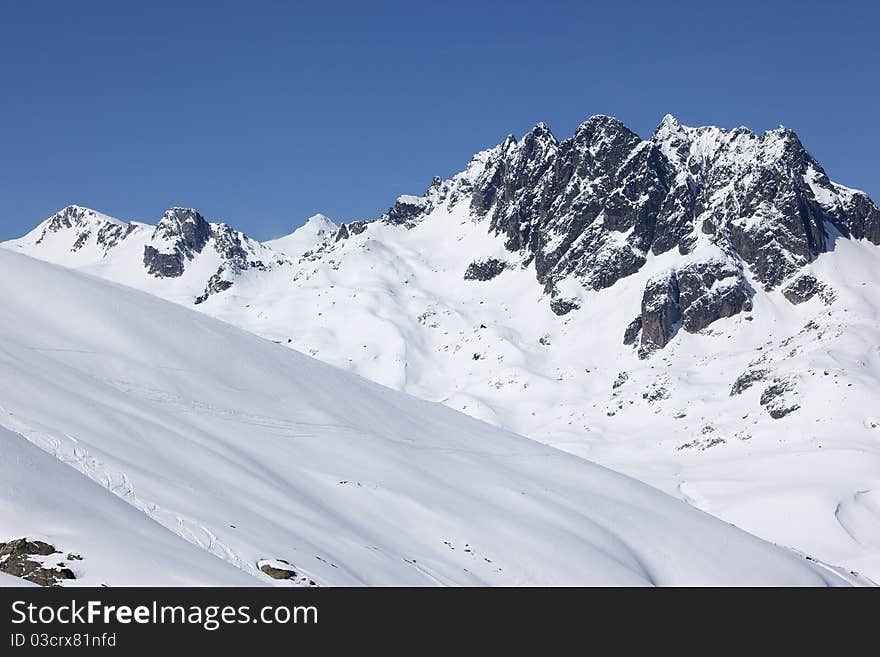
317, 228
742, 210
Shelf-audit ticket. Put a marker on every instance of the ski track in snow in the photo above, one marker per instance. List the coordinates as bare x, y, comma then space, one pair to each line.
68, 450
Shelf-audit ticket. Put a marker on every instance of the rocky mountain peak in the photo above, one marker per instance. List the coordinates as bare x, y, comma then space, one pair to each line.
75, 226
321, 221
184, 226
77, 216
743, 207
179, 235
541, 132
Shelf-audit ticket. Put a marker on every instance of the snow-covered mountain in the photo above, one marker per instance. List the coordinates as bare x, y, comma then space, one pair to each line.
317, 228
176, 426
183, 256
700, 310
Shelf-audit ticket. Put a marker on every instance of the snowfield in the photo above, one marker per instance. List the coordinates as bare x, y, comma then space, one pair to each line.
131, 423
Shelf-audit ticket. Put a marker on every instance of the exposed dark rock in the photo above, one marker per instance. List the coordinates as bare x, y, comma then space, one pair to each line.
281, 569
185, 228
709, 291
777, 397
695, 295
860, 217
15, 560
278, 573
217, 283
656, 394
561, 306
358, 227
182, 233
347, 230
484, 270
661, 311
747, 379
406, 211
229, 244
162, 265
804, 287
632, 331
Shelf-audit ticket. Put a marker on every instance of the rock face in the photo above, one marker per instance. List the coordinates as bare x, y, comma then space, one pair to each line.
354, 228
178, 237
709, 291
661, 311
632, 331
593, 207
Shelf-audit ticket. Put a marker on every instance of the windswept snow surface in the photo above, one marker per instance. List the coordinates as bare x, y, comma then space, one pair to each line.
251, 452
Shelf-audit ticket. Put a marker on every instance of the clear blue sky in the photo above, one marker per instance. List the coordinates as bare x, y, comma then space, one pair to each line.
262, 113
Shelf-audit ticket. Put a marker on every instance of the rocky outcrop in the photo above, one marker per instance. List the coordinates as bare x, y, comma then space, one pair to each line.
709, 291
747, 379
347, 230
484, 270
217, 283
661, 312
182, 235
281, 569
778, 397
563, 305
24, 558
804, 287
406, 211
857, 216
693, 296
631, 334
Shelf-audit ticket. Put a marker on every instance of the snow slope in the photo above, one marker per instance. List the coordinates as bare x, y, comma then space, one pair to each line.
392, 305
254, 452
43, 498
315, 230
